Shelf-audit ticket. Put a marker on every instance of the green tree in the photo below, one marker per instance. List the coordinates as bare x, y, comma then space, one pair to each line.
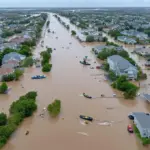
3, 119
28, 62
24, 107
31, 95
47, 67
90, 38
3, 88
49, 50
54, 108
104, 39
48, 22
73, 32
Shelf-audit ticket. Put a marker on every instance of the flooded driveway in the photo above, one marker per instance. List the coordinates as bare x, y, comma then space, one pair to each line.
67, 81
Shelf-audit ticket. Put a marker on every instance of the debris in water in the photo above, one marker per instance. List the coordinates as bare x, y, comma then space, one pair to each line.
83, 133
114, 95
110, 108
105, 123
27, 132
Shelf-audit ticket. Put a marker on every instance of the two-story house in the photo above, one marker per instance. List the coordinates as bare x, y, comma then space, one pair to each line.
121, 66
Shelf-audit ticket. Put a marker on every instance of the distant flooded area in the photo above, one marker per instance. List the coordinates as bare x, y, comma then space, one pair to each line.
67, 81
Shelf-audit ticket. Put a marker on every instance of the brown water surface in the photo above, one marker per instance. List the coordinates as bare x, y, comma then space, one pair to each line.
67, 81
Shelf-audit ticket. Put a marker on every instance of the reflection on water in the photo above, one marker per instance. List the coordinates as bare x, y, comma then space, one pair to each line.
67, 80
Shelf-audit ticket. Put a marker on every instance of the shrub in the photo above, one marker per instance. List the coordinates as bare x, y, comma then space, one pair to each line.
54, 108
47, 67
18, 73
3, 88
106, 66
49, 50
90, 38
145, 141
3, 119
7, 78
122, 84
73, 32
112, 75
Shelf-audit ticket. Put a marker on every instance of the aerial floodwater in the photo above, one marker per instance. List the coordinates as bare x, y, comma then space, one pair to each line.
67, 81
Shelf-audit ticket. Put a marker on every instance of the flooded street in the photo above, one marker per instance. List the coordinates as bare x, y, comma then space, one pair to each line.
67, 81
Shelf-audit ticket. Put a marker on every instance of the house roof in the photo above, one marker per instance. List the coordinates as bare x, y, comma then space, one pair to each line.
122, 63
147, 97
5, 71
143, 119
13, 56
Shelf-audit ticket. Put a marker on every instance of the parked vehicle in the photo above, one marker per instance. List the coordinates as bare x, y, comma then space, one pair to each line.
131, 117
86, 118
130, 129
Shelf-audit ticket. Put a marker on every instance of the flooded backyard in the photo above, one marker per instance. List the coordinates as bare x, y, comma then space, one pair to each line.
67, 81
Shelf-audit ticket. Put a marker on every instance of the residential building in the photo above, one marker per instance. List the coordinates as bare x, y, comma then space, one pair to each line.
144, 51
99, 48
121, 66
13, 56
126, 40
5, 71
11, 64
142, 122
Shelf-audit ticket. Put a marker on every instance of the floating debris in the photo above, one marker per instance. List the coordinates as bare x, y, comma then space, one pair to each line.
83, 133
27, 132
105, 123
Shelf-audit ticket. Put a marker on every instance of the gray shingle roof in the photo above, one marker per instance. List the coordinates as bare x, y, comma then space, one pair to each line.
13, 55
121, 62
143, 119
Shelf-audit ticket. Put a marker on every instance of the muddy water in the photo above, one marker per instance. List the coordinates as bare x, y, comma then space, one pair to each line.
67, 80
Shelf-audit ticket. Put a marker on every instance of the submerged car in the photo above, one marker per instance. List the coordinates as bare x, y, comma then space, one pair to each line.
130, 129
131, 117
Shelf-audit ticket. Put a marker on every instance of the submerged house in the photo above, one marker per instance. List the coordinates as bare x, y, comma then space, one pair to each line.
13, 56
121, 66
142, 122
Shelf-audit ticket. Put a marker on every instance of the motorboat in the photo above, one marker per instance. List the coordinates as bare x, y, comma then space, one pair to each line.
82, 62
38, 77
86, 118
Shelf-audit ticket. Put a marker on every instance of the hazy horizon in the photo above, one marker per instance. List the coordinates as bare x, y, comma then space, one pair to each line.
74, 3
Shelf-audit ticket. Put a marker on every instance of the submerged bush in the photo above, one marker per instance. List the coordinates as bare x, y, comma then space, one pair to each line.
54, 108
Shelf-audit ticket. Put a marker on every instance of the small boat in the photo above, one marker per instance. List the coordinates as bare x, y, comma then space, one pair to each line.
86, 118
84, 63
38, 77
87, 96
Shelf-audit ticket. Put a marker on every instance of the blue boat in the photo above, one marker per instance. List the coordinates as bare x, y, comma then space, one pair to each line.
38, 77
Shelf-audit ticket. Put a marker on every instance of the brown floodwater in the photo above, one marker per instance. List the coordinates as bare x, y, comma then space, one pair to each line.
67, 81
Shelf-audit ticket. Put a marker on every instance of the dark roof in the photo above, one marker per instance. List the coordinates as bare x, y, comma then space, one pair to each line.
143, 119
122, 63
147, 97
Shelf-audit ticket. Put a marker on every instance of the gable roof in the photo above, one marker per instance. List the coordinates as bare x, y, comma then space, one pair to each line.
122, 63
143, 119
13, 56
